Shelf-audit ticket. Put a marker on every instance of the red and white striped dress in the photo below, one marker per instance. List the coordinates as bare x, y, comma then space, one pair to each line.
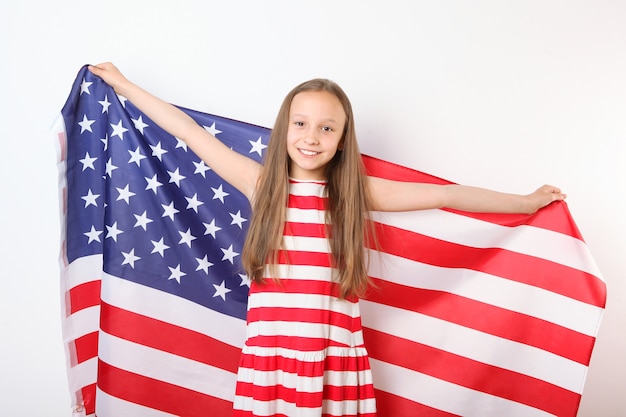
304, 355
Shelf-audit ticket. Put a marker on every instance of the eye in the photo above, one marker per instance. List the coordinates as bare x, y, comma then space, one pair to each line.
327, 129
298, 123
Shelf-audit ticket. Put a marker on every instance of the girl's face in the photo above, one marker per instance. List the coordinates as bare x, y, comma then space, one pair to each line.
316, 122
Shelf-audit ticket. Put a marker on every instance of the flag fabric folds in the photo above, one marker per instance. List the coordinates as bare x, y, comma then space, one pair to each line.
471, 314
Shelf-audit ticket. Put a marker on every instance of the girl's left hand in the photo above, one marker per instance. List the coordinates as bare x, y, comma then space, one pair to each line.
543, 196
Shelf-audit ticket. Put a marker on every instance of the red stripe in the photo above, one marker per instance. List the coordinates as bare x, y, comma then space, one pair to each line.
86, 347
84, 296
474, 375
86, 398
299, 286
486, 318
167, 337
304, 344
554, 217
304, 315
159, 395
530, 270
62, 146
393, 405
303, 398
308, 368
305, 229
304, 258
307, 202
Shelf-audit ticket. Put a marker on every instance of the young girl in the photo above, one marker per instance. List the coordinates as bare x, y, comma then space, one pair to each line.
305, 250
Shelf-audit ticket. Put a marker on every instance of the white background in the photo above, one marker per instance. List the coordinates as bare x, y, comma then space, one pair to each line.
500, 94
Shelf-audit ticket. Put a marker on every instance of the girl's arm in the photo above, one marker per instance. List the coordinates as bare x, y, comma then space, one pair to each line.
238, 170
387, 195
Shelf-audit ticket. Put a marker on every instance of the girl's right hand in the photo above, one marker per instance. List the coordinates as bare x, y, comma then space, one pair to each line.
110, 74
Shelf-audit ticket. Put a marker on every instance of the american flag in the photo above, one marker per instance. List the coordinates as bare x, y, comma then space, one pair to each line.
471, 315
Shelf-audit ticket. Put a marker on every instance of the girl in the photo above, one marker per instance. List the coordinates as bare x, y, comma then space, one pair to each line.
305, 249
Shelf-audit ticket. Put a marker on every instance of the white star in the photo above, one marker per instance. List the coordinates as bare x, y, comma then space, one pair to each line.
219, 193
244, 280
212, 130
139, 124
159, 247
105, 141
204, 264
193, 202
86, 124
105, 104
176, 177
257, 146
142, 220
186, 238
229, 254
176, 273
118, 130
180, 144
158, 151
136, 156
84, 87
122, 100
169, 210
125, 194
153, 183
90, 198
237, 219
113, 231
130, 258
109, 168
221, 290
211, 228
88, 161
201, 168
93, 234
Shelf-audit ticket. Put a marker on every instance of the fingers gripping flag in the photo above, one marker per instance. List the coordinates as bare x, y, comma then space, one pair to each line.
472, 315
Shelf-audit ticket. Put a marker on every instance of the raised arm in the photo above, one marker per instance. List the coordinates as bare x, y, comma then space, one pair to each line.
389, 195
238, 170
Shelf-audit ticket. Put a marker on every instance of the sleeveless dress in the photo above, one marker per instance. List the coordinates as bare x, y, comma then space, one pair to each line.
304, 354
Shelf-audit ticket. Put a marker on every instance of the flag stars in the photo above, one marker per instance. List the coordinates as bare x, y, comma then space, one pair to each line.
88, 161
169, 210
229, 254
211, 228
201, 168
212, 130
219, 193
125, 194
193, 202
109, 168
93, 235
136, 156
85, 125
245, 280
237, 219
186, 238
105, 104
159, 247
130, 258
142, 220
90, 199
176, 273
84, 87
113, 231
221, 290
153, 183
257, 146
203, 264
139, 124
158, 151
180, 144
176, 177
118, 130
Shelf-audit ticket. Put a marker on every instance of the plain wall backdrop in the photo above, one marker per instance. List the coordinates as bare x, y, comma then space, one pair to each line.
500, 94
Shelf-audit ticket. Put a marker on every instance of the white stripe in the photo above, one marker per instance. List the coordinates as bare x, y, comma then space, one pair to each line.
333, 408
444, 395
464, 230
511, 295
475, 345
307, 244
83, 270
172, 309
305, 215
306, 272
315, 356
307, 189
82, 375
308, 330
312, 301
179, 371
109, 406
82, 322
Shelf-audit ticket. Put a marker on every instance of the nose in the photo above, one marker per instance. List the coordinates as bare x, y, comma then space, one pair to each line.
312, 137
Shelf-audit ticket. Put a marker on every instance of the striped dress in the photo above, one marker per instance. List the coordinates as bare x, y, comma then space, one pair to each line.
304, 355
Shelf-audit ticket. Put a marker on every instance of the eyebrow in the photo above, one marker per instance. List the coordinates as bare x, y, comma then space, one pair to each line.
304, 115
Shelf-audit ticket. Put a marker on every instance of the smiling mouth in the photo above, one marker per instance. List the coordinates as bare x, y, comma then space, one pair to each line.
308, 152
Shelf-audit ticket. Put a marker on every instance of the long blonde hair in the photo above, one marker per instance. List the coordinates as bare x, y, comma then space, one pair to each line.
347, 214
